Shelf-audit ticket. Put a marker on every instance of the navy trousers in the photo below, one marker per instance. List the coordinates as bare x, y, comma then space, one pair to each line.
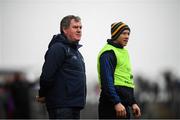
107, 111
64, 113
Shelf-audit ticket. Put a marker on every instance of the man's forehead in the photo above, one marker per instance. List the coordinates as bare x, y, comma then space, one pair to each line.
125, 31
73, 22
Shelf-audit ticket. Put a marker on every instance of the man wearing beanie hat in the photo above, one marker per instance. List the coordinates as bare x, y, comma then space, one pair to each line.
115, 76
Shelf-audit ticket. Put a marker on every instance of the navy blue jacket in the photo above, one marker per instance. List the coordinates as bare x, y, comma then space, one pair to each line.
63, 79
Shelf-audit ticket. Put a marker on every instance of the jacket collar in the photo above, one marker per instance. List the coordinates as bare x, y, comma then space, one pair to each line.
109, 41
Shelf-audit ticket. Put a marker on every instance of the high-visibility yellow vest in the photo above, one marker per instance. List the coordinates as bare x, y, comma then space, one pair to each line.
123, 72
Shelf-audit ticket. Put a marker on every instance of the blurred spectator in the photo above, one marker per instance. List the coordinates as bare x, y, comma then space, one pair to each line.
20, 94
6, 103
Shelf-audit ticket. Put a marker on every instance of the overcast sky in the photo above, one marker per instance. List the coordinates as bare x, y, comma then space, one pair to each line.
27, 26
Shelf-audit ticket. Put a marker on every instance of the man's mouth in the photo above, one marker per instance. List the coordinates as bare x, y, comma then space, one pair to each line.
125, 40
78, 34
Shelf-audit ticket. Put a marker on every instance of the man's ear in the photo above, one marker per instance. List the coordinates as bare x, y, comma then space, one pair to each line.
64, 30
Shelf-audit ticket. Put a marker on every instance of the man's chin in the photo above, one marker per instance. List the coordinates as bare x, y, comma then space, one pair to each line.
76, 41
124, 45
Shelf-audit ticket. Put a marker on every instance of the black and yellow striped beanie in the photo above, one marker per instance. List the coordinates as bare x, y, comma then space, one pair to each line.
117, 29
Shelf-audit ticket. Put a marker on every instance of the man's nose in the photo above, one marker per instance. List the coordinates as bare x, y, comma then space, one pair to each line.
79, 29
127, 35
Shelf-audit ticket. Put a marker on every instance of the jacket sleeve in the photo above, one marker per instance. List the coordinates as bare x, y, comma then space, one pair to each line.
54, 58
107, 68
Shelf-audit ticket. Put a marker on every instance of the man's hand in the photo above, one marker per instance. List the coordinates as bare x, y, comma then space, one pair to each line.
136, 111
40, 99
120, 110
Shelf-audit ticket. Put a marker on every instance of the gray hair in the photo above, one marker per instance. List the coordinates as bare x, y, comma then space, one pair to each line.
65, 22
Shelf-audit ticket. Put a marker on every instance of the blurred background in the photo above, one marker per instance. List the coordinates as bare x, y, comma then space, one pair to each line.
27, 26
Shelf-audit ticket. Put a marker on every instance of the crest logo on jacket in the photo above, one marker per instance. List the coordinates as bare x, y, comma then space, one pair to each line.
74, 57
